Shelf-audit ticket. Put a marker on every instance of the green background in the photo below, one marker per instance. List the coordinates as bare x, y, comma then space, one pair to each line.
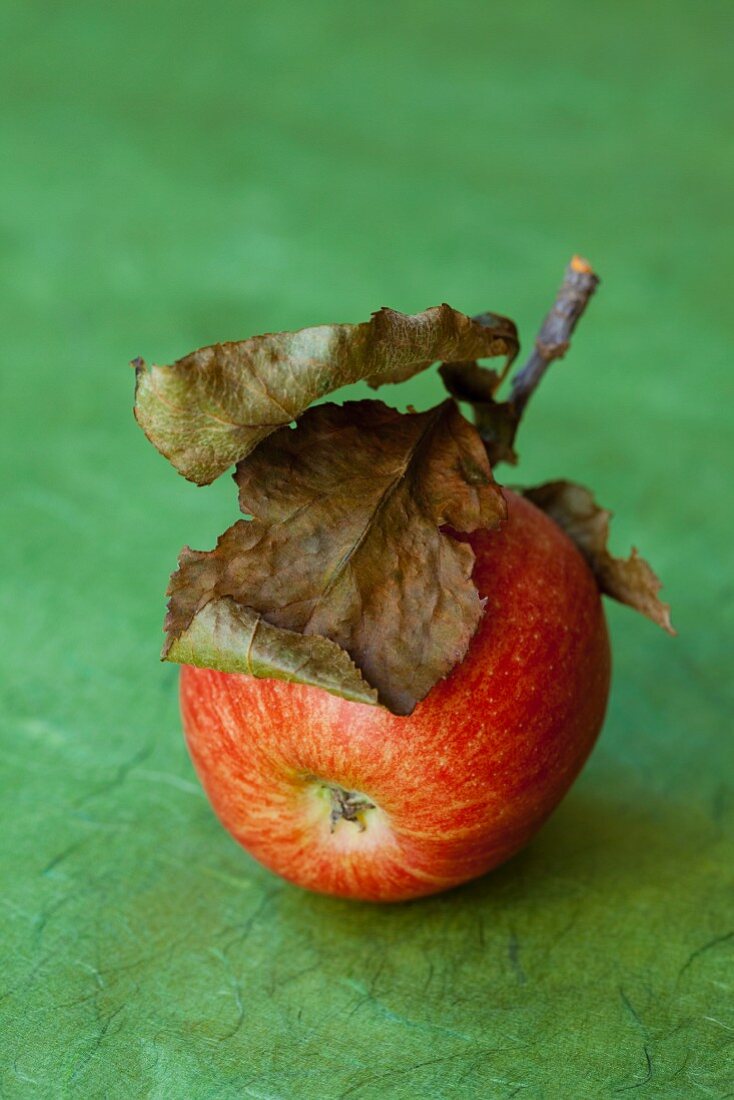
178, 173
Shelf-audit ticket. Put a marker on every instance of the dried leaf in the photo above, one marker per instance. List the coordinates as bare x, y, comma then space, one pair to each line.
496, 421
212, 408
630, 580
346, 544
470, 382
231, 638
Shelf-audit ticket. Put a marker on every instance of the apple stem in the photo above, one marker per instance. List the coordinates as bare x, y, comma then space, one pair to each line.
552, 342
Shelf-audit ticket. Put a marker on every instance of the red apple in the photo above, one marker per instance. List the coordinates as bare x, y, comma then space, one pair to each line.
349, 799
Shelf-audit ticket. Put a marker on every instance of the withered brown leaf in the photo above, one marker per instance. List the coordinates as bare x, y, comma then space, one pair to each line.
496, 421
210, 409
224, 635
629, 580
347, 545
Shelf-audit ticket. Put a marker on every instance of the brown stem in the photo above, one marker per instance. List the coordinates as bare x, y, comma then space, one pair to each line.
579, 283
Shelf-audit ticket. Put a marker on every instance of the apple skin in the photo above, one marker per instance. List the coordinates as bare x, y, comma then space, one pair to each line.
454, 789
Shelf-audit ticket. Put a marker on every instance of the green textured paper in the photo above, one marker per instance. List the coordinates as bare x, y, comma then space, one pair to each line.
178, 173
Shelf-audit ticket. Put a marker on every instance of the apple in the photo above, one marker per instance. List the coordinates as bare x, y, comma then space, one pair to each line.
352, 800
